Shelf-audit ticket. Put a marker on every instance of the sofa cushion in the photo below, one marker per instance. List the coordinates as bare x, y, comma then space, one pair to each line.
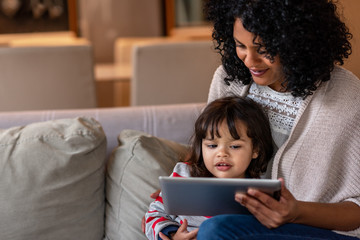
52, 180
132, 175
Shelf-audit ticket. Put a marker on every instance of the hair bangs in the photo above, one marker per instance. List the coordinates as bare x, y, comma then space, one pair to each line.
231, 122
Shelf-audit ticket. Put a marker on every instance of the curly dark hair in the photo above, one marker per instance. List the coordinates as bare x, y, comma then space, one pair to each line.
307, 35
233, 110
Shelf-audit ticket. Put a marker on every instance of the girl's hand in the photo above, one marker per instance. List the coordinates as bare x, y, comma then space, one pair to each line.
155, 194
182, 233
270, 212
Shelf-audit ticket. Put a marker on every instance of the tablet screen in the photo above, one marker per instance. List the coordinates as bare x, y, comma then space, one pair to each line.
210, 196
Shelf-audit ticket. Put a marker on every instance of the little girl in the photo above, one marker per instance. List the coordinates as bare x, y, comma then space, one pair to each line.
232, 139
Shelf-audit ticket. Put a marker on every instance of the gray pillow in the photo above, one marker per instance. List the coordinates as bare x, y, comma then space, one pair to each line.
52, 180
132, 176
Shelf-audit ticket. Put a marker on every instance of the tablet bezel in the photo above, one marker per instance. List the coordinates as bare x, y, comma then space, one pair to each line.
200, 196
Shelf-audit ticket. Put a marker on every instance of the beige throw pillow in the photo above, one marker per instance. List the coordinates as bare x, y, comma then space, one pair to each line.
52, 180
132, 176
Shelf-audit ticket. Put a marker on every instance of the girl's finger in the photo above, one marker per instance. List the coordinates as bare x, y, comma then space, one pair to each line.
155, 194
163, 236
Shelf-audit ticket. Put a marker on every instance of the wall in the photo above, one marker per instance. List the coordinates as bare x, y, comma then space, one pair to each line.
351, 12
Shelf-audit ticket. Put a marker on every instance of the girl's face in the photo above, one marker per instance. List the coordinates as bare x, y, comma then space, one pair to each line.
263, 71
226, 157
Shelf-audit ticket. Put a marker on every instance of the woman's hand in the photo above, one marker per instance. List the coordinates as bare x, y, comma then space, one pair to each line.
182, 233
270, 212
154, 195
342, 216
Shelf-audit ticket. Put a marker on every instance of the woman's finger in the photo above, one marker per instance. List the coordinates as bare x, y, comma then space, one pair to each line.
256, 206
267, 210
264, 198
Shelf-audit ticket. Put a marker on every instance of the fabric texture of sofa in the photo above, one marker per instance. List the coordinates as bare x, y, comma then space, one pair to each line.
48, 67
181, 72
86, 173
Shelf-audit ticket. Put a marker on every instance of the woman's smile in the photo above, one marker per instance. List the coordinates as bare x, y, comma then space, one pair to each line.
264, 71
258, 73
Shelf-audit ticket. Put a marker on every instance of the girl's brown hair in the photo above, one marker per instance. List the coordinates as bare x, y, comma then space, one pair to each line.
232, 110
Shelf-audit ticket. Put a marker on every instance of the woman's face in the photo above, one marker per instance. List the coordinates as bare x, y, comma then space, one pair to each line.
226, 157
263, 71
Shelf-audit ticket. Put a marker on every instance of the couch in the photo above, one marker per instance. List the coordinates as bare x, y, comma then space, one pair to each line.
86, 173
48, 66
180, 71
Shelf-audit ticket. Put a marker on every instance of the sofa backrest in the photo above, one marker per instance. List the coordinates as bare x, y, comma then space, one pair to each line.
172, 72
46, 77
172, 122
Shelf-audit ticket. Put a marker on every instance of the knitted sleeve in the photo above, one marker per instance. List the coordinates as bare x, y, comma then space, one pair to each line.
323, 149
219, 88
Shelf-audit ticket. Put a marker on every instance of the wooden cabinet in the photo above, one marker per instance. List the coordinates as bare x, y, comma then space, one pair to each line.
186, 18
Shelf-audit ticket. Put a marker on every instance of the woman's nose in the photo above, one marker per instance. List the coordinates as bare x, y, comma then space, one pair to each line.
251, 59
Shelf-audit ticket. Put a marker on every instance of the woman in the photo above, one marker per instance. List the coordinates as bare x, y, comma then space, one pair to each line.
284, 54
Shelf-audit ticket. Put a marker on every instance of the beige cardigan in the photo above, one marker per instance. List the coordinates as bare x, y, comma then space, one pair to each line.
320, 161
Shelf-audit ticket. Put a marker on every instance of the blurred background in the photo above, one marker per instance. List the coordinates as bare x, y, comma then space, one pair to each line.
111, 53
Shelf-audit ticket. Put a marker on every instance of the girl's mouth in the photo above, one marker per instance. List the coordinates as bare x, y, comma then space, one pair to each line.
222, 166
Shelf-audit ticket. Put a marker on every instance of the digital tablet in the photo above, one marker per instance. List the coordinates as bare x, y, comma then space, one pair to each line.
198, 196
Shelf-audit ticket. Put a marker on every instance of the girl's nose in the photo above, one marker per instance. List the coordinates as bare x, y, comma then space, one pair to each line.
222, 153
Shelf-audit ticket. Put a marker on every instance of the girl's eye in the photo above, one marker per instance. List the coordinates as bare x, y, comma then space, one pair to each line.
211, 145
235, 146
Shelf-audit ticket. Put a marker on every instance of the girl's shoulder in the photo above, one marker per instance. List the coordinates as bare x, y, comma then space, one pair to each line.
181, 169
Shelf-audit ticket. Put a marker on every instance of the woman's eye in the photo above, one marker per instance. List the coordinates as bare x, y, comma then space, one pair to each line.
240, 46
261, 50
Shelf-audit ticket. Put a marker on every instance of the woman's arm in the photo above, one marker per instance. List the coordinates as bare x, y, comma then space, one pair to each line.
343, 216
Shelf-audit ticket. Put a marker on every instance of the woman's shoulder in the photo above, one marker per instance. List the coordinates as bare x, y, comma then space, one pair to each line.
220, 72
344, 74
343, 82
219, 88
218, 77
339, 94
